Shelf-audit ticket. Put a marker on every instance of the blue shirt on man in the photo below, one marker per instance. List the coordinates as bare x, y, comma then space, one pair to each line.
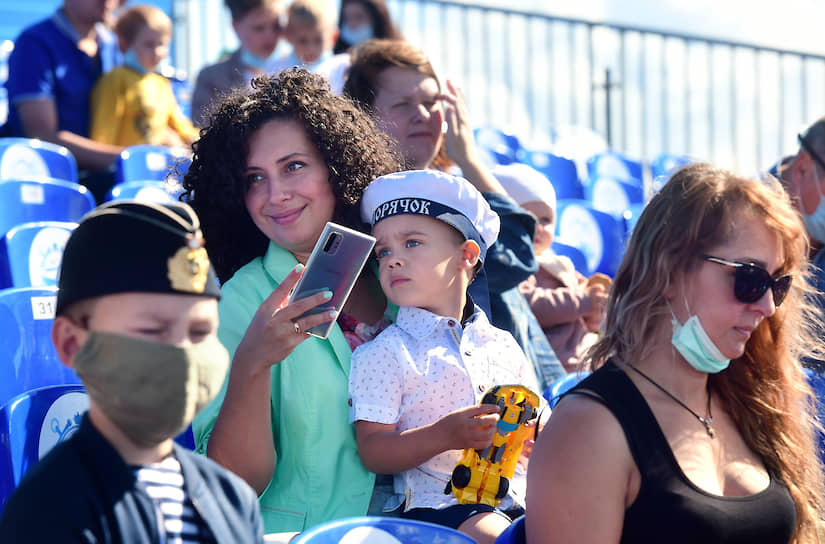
47, 63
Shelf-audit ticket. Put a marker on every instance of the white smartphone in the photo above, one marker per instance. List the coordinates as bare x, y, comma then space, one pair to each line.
335, 263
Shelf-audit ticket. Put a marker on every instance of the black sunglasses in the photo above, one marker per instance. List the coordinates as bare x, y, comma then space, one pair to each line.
752, 281
807, 147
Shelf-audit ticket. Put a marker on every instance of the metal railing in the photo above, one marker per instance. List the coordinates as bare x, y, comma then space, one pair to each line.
735, 104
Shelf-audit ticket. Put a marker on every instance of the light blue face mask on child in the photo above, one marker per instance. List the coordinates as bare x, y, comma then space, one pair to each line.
131, 60
691, 340
254, 61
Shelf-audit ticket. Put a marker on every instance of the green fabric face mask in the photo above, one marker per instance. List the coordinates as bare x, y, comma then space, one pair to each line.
150, 390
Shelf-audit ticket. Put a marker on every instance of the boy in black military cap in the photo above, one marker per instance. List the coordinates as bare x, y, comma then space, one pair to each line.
136, 319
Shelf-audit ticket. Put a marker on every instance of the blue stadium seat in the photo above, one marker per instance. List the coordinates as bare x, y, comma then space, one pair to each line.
150, 162
503, 146
514, 534
145, 191
631, 217
28, 359
574, 254
43, 200
561, 172
386, 530
561, 386
33, 159
616, 165
614, 196
599, 235
31, 425
30, 253
817, 383
664, 164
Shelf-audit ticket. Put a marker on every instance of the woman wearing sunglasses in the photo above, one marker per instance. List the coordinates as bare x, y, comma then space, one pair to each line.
696, 425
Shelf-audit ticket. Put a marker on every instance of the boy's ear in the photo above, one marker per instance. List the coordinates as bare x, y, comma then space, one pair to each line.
470, 253
122, 44
67, 338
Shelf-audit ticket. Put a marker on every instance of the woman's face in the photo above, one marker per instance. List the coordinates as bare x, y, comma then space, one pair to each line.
259, 30
355, 15
407, 107
289, 196
708, 291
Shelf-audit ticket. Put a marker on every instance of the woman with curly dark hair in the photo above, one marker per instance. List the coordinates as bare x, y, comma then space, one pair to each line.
270, 169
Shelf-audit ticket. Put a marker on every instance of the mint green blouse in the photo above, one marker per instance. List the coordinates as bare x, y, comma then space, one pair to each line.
318, 473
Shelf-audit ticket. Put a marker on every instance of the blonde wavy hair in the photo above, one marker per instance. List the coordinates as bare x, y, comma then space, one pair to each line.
765, 390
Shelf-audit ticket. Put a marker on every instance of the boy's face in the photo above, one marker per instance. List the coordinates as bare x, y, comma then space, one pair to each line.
259, 29
309, 41
545, 225
179, 320
422, 262
151, 46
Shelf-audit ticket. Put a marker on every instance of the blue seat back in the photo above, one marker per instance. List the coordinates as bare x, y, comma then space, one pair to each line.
28, 359
381, 529
664, 164
574, 254
144, 191
561, 172
616, 165
817, 383
562, 386
599, 235
614, 196
43, 200
31, 424
514, 534
150, 162
501, 145
30, 254
30, 158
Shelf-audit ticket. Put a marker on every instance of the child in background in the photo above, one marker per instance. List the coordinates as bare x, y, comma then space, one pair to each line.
133, 104
568, 306
415, 389
311, 31
137, 319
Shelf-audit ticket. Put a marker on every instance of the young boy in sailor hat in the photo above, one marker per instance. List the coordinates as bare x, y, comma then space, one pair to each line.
415, 389
137, 319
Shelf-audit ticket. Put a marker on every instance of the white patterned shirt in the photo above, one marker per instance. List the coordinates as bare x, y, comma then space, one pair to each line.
420, 369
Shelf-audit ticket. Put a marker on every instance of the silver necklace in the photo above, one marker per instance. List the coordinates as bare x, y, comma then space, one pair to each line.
706, 421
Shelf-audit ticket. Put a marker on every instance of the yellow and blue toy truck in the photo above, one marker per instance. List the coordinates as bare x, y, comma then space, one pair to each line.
483, 476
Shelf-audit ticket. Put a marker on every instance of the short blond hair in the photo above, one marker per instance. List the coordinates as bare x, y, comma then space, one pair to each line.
138, 17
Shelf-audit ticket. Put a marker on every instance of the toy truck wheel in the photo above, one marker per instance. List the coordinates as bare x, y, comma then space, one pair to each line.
503, 487
461, 476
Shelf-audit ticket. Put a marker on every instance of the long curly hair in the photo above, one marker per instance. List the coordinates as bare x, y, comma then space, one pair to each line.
354, 151
765, 390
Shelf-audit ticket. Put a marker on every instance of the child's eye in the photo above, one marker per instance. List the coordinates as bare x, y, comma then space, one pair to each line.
381, 252
413, 243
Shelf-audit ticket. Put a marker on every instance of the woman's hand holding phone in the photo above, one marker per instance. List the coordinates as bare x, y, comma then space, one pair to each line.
276, 329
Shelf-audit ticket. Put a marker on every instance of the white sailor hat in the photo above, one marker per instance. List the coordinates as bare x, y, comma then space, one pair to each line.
525, 184
450, 199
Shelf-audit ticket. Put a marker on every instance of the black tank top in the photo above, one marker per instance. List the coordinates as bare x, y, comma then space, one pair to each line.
669, 508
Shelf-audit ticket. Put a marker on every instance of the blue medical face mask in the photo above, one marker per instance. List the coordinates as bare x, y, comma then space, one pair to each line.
691, 340
354, 36
254, 61
131, 60
815, 222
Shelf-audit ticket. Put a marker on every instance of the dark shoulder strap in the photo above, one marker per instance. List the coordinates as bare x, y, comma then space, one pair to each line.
613, 388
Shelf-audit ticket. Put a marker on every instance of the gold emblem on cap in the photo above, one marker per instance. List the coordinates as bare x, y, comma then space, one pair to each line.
188, 269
